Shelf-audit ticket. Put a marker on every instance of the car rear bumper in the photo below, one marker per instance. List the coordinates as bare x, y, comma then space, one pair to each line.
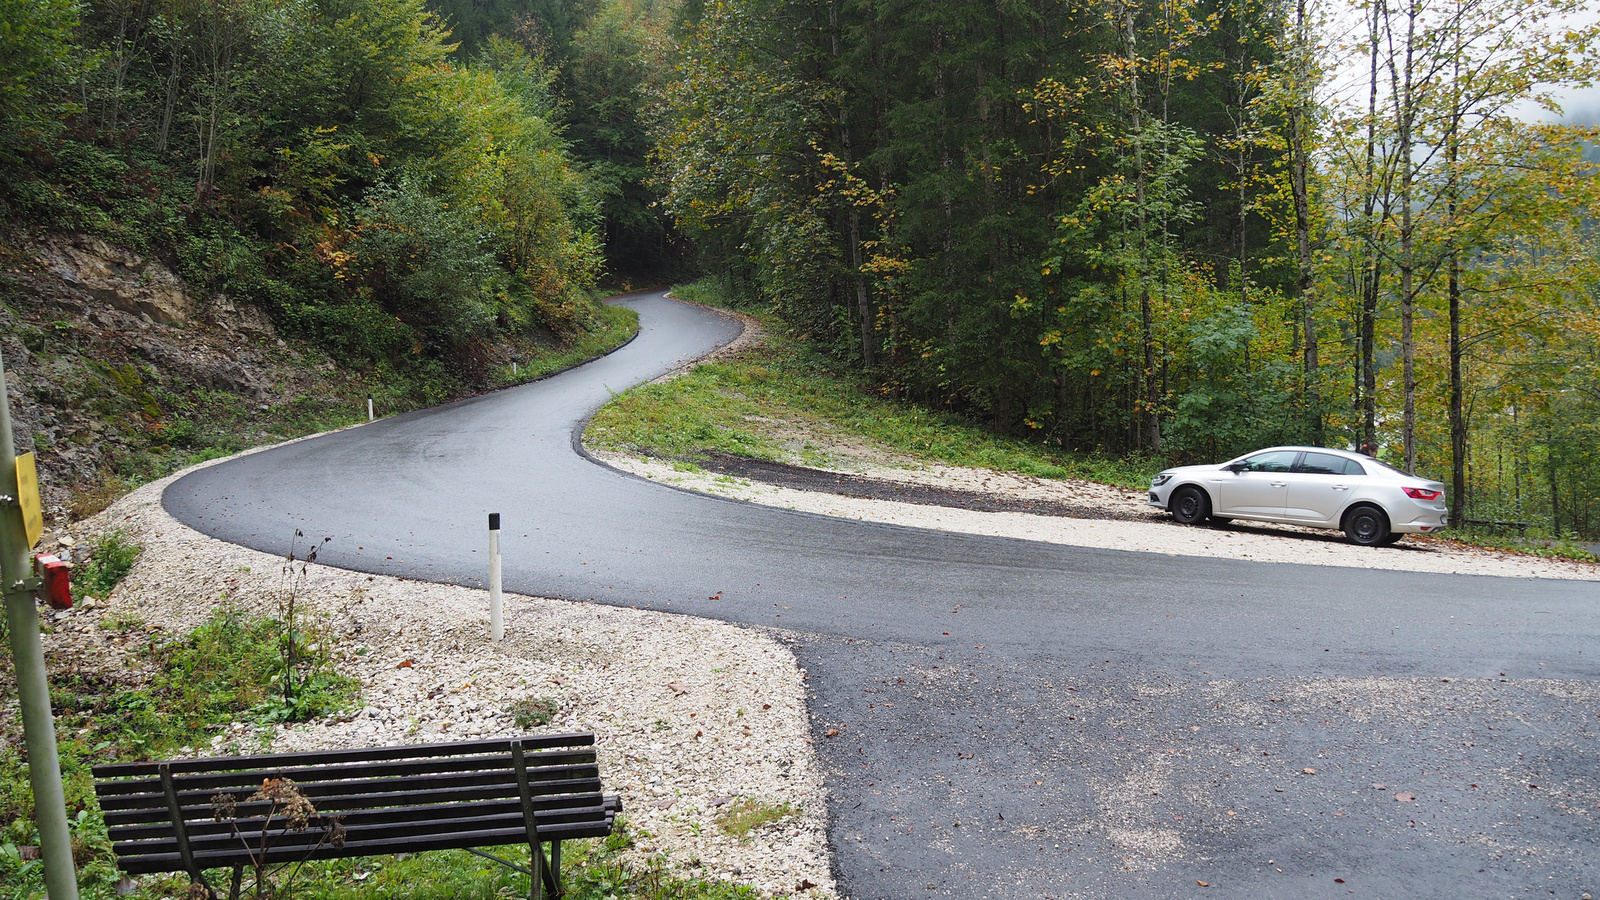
1428, 522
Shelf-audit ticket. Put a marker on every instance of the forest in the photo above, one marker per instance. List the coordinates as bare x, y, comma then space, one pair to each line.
1178, 229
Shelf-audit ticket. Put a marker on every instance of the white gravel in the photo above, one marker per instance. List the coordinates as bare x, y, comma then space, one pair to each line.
690, 714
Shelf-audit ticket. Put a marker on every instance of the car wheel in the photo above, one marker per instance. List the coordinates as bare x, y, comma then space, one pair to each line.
1190, 505
1392, 537
1366, 526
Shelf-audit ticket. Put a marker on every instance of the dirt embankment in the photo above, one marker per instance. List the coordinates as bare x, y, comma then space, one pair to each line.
116, 370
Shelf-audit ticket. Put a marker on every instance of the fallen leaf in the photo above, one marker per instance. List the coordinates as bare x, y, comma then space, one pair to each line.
1380, 787
1308, 771
406, 664
28, 852
558, 679
1202, 883
678, 687
1405, 796
831, 732
804, 885
1341, 880
664, 804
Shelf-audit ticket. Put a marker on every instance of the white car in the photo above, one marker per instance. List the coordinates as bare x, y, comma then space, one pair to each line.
1372, 503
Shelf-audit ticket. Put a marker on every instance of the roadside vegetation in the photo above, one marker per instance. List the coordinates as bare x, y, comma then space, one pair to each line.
158, 695
754, 403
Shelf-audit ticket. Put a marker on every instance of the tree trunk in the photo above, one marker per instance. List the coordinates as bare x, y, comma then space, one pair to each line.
1299, 174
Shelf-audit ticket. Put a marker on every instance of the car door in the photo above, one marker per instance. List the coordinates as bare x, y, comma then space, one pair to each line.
1260, 486
1320, 486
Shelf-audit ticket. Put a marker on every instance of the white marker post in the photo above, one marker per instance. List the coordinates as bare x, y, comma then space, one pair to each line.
369, 408
497, 628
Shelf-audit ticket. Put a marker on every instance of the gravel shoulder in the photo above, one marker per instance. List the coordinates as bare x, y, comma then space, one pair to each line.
879, 485
690, 714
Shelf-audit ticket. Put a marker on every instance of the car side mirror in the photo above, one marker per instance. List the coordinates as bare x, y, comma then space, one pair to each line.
1238, 467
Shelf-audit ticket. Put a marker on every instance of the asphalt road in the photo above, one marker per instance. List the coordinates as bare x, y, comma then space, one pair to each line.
1020, 720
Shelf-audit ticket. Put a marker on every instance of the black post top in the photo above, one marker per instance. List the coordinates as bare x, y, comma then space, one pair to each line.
494, 521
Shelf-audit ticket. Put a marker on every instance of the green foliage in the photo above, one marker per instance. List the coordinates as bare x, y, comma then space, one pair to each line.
36, 49
424, 263
110, 559
739, 405
530, 712
326, 161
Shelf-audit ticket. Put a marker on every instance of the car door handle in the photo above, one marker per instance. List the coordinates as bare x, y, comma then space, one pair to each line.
1341, 487
1279, 483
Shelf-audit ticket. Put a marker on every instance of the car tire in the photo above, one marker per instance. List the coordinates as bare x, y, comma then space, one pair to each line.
1189, 505
1392, 537
1366, 526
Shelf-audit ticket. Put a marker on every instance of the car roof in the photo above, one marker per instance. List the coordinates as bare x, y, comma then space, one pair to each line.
1348, 454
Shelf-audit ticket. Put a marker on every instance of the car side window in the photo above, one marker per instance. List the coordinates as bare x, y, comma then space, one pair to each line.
1351, 467
1323, 464
1276, 461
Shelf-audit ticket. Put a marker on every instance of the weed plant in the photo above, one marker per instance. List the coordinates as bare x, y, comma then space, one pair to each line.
110, 559
740, 406
531, 712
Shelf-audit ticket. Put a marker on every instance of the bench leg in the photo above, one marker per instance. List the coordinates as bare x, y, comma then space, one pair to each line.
552, 872
238, 880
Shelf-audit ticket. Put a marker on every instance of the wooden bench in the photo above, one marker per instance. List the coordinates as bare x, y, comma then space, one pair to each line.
190, 815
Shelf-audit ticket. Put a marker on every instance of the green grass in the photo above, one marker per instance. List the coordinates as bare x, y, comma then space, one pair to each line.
1565, 548
746, 815
110, 559
619, 326
739, 405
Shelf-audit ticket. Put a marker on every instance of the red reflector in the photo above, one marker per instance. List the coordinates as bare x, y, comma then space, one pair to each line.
1421, 493
57, 590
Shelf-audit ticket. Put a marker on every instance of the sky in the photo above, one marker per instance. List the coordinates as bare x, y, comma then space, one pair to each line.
1580, 105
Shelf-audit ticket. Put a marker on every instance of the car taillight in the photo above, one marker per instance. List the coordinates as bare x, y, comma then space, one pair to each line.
1421, 494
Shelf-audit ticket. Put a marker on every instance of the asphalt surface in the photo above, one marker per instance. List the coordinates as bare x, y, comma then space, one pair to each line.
999, 718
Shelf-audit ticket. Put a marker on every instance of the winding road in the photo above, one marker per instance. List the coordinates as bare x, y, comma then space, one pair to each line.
1020, 720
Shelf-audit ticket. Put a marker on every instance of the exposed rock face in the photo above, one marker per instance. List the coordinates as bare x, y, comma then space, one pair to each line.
119, 277
109, 358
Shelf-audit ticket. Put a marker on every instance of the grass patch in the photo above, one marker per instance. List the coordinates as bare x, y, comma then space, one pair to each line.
1564, 548
184, 690
531, 712
745, 404
110, 559
619, 325
747, 815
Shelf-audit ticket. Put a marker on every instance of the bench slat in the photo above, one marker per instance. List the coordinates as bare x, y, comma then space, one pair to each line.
334, 757
169, 862
162, 827
366, 831
198, 807
551, 780
231, 776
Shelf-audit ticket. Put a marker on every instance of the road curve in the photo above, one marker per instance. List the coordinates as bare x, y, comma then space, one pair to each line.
1099, 723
